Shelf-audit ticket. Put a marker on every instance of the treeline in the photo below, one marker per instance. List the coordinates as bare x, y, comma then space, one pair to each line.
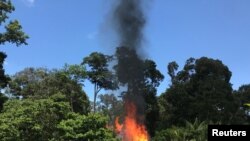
200, 94
50, 105
42, 104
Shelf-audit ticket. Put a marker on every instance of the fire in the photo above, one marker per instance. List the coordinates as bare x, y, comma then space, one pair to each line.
131, 130
118, 126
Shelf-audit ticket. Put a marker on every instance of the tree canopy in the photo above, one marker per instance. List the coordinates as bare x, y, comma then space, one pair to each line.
201, 90
49, 119
50, 104
12, 33
13, 30
41, 83
99, 73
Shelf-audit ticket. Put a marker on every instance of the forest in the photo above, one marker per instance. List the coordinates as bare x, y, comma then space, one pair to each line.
51, 105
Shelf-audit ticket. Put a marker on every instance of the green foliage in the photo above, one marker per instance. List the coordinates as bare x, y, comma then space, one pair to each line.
77, 73
6, 7
244, 94
3, 99
42, 83
53, 105
110, 106
172, 68
99, 73
152, 75
196, 131
152, 79
31, 119
201, 90
243, 97
80, 127
50, 119
13, 33
3, 78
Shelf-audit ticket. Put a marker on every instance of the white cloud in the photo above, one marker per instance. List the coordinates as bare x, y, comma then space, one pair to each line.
29, 2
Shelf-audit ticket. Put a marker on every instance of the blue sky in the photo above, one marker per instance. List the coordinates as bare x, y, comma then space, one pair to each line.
65, 31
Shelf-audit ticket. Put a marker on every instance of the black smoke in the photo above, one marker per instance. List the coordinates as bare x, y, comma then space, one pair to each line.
129, 21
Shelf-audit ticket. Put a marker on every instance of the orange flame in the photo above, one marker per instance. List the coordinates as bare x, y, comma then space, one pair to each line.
131, 130
118, 126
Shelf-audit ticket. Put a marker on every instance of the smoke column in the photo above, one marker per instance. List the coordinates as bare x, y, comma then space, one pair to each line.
129, 21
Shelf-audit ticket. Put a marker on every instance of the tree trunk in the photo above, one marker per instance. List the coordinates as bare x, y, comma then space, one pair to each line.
95, 94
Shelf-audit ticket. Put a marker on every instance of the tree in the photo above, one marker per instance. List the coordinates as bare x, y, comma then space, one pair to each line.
13, 30
75, 72
3, 80
32, 119
12, 34
152, 79
99, 74
3, 99
201, 90
243, 96
141, 78
111, 106
41, 83
80, 128
172, 68
50, 119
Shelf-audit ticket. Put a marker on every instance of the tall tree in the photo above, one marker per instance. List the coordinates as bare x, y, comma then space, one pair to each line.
99, 74
152, 79
141, 78
202, 89
12, 33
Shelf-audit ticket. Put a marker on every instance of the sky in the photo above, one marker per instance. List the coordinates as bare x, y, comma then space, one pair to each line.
66, 31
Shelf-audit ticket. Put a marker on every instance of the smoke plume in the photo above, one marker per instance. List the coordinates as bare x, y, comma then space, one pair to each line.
128, 22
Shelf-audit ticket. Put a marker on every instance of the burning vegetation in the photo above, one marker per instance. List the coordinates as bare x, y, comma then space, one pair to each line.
131, 130
129, 21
